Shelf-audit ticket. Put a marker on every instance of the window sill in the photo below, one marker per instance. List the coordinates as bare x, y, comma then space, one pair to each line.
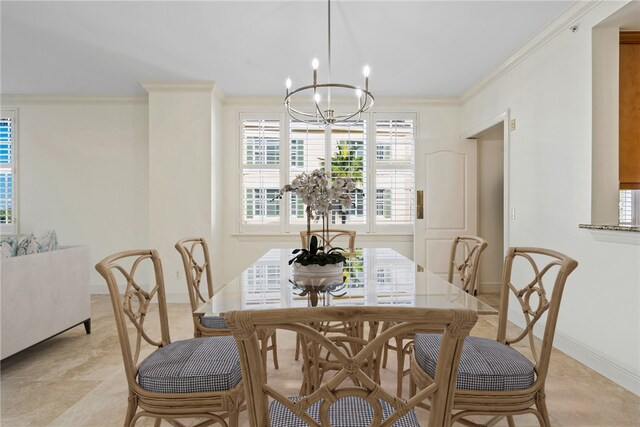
627, 234
361, 237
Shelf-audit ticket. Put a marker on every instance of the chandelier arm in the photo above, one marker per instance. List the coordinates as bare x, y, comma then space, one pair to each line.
298, 115
340, 85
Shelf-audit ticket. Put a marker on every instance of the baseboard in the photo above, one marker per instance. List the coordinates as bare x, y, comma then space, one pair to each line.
98, 290
622, 374
489, 288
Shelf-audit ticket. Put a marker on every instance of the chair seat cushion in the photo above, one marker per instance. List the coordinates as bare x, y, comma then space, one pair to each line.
192, 366
214, 322
349, 411
484, 364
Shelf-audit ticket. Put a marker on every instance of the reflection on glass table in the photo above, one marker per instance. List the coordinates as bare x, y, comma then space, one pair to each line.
372, 277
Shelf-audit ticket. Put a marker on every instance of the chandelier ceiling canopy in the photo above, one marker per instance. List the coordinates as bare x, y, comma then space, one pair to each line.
316, 97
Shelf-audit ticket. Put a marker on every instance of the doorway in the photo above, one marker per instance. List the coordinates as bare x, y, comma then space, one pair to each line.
491, 205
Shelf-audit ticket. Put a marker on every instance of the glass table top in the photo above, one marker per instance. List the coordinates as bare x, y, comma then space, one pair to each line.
372, 277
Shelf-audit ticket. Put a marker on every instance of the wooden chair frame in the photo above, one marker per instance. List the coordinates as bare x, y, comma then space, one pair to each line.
194, 252
213, 406
467, 270
532, 399
329, 237
473, 246
455, 325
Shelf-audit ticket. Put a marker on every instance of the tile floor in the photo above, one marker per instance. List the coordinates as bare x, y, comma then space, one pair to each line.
78, 380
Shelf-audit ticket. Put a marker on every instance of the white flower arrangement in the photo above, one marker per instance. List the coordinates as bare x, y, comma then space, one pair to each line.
320, 194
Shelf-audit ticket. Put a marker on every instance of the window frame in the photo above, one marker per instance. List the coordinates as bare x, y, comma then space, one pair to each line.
12, 228
284, 226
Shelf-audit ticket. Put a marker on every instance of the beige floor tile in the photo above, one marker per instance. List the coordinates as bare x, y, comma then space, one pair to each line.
77, 380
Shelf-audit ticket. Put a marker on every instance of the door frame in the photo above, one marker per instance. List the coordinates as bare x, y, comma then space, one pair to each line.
505, 119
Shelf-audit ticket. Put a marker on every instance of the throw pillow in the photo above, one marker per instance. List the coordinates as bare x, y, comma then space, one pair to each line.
47, 242
25, 244
8, 244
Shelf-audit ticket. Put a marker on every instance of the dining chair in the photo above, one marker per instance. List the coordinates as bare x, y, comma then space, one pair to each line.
333, 239
350, 397
194, 252
495, 378
193, 378
464, 261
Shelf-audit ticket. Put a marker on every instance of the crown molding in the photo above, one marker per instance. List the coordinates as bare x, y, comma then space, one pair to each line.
7, 99
563, 22
277, 101
184, 86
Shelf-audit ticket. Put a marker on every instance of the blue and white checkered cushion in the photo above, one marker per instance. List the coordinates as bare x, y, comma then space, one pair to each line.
215, 322
484, 364
192, 366
349, 411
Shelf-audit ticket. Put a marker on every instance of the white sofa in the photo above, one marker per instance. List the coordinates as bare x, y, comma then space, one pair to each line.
43, 294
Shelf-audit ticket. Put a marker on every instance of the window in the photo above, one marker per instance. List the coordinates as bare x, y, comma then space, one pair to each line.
376, 152
395, 179
261, 203
7, 172
383, 203
629, 207
260, 171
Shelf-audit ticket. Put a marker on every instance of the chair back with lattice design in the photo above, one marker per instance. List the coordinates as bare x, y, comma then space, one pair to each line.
345, 239
197, 268
465, 260
129, 270
353, 378
527, 275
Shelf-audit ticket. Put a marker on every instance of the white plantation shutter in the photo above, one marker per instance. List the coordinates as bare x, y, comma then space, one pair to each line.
394, 177
7, 172
307, 150
348, 160
377, 153
260, 171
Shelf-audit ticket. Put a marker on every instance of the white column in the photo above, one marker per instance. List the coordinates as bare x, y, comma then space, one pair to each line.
182, 137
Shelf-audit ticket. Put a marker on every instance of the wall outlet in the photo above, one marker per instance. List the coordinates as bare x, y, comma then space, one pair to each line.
178, 274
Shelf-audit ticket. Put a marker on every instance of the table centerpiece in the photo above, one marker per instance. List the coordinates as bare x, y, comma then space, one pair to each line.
320, 194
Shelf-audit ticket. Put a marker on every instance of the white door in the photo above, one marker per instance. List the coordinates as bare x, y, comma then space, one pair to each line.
448, 179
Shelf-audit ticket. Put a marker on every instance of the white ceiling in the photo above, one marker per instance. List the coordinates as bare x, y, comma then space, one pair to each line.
414, 48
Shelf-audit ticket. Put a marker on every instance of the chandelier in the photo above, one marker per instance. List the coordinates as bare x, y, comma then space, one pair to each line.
320, 94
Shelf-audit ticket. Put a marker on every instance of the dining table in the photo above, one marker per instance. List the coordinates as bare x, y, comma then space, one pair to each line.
371, 277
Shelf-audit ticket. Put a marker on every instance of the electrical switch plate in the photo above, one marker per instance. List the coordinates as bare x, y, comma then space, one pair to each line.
512, 215
512, 125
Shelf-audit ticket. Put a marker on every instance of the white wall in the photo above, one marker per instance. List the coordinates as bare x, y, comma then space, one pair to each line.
181, 181
436, 119
550, 94
82, 171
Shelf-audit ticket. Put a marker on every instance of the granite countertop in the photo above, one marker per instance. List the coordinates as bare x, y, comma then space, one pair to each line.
611, 227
